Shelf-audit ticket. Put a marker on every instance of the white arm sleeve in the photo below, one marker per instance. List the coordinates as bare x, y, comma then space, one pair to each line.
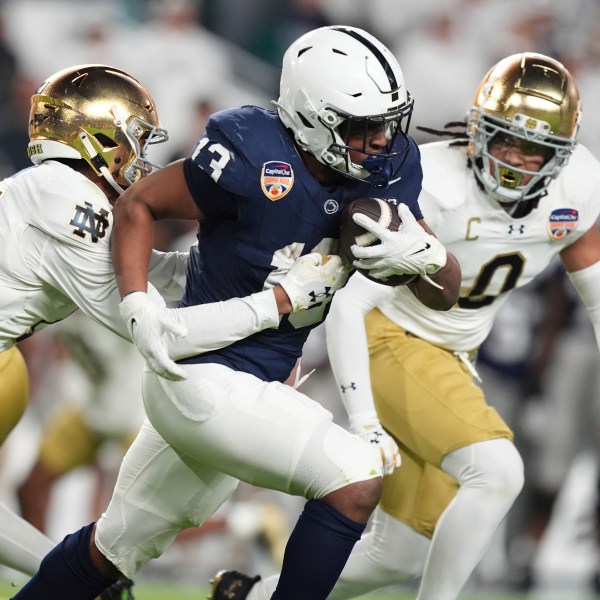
218, 324
587, 284
347, 342
166, 273
87, 279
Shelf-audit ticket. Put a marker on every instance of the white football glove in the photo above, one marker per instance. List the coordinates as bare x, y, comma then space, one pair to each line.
313, 279
369, 429
409, 250
146, 323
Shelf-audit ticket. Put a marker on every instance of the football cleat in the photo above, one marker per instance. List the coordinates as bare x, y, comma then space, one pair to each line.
231, 585
120, 590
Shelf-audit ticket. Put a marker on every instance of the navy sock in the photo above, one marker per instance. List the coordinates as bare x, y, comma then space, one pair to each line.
67, 572
316, 553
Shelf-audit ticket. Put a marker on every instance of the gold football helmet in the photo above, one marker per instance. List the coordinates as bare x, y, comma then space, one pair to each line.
532, 100
99, 114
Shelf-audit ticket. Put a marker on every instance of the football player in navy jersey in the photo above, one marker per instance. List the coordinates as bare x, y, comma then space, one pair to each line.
267, 187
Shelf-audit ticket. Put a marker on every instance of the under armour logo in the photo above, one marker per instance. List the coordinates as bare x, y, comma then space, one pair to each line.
376, 437
516, 229
352, 386
320, 296
87, 221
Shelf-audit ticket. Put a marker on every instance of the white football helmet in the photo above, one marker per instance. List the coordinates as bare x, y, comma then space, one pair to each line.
338, 82
531, 97
99, 114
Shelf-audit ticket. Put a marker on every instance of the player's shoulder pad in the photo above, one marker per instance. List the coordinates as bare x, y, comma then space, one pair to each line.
252, 132
580, 176
69, 206
445, 172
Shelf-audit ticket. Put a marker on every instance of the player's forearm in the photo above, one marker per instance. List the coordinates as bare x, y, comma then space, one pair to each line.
219, 324
347, 345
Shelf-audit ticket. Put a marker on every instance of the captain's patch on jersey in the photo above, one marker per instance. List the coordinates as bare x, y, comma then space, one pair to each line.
276, 179
562, 222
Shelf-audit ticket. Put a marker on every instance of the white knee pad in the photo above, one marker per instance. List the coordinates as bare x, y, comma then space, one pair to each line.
494, 465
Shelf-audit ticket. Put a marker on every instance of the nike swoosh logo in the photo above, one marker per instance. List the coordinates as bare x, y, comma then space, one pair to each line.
394, 180
427, 246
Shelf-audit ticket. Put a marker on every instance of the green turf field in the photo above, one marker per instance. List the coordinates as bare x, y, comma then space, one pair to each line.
170, 591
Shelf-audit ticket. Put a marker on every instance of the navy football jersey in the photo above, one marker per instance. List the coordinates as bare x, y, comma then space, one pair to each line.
262, 209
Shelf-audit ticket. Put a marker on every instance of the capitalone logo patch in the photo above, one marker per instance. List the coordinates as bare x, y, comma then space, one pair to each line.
562, 222
276, 179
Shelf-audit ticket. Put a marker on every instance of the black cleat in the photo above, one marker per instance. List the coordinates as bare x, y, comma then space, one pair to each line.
120, 590
231, 585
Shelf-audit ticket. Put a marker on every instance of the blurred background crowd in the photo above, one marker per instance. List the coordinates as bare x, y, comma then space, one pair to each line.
540, 365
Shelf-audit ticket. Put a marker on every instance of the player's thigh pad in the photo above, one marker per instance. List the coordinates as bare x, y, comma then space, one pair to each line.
67, 442
425, 395
14, 391
264, 433
417, 493
156, 496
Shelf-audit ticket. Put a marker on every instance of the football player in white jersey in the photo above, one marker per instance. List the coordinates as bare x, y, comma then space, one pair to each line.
508, 196
90, 127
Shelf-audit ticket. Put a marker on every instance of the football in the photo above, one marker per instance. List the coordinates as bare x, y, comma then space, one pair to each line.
383, 213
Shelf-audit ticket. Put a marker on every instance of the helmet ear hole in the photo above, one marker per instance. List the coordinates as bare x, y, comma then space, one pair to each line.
105, 141
304, 121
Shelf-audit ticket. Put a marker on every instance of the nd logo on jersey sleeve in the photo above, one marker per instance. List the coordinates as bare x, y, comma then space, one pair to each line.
88, 222
562, 222
276, 179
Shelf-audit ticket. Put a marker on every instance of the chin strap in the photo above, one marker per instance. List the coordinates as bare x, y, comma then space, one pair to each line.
99, 162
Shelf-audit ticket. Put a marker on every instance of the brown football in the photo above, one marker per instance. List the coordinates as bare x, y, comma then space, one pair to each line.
382, 212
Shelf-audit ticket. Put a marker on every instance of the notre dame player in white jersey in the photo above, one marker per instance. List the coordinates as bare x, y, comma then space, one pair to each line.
513, 193
90, 128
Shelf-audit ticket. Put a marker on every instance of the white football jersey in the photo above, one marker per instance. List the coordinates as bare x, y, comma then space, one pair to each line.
55, 230
497, 253
58, 221
55, 227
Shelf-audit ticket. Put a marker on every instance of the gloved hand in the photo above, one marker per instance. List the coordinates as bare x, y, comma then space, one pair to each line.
409, 250
146, 323
313, 279
370, 430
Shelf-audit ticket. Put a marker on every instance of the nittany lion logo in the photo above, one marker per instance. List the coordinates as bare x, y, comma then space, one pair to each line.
86, 220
